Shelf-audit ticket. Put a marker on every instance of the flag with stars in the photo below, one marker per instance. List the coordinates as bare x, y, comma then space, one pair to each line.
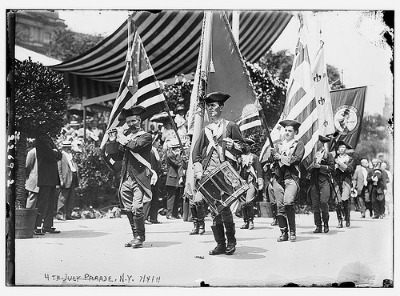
300, 102
139, 86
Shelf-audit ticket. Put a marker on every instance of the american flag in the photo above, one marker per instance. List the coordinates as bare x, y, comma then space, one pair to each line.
139, 86
300, 102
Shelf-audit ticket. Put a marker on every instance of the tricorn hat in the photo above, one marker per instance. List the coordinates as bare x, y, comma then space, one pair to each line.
133, 111
248, 141
341, 142
290, 122
324, 139
217, 96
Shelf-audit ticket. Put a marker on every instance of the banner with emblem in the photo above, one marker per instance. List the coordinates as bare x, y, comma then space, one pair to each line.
348, 110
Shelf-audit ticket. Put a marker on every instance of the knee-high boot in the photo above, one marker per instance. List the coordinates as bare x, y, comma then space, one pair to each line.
245, 217
317, 222
230, 235
283, 226
219, 236
274, 212
250, 215
195, 229
346, 206
291, 216
200, 217
339, 215
140, 230
129, 215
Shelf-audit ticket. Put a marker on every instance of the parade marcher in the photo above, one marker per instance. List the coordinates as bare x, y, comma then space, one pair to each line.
360, 184
344, 168
133, 146
219, 141
288, 155
377, 188
69, 180
250, 170
151, 207
174, 180
47, 156
320, 176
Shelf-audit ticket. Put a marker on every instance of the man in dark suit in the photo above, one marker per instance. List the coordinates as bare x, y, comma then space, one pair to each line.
174, 179
133, 146
47, 156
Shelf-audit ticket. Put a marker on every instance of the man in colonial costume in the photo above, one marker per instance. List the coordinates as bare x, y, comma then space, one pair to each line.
219, 141
133, 146
287, 155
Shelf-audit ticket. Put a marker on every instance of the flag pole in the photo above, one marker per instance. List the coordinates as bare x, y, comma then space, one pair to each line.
173, 124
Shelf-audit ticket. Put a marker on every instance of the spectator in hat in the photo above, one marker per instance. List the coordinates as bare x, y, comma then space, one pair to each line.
360, 184
69, 180
219, 141
344, 169
320, 176
377, 182
250, 170
133, 146
47, 157
285, 182
174, 180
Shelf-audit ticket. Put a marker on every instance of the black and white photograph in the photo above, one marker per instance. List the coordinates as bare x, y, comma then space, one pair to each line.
198, 147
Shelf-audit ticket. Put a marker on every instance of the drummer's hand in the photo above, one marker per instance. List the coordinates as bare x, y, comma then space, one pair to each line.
229, 143
198, 175
277, 156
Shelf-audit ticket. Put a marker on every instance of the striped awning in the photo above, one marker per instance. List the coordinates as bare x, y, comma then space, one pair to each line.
172, 41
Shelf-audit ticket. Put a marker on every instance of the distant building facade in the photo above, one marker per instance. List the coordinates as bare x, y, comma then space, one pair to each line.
33, 28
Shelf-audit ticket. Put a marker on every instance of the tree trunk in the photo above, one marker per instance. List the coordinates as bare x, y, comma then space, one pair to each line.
20, 175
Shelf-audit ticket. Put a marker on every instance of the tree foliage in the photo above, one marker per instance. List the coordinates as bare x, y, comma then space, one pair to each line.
39, 106
40, 99
66, 44
373, 138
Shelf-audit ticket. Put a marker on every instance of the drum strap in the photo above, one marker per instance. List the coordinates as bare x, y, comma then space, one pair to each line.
213, 144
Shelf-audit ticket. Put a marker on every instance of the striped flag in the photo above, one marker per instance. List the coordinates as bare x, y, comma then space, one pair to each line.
139, 86
300, 102
322, 94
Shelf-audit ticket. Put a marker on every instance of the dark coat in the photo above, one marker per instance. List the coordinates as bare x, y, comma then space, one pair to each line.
47, 162
292, 171
130, 165
199, 153
175, 169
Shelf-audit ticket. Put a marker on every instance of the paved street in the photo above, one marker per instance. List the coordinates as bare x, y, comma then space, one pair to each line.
92, 252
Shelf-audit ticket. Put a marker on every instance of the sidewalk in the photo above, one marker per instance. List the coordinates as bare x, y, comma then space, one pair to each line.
92, 253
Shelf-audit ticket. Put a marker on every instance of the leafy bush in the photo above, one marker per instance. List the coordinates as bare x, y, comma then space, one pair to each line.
97, 185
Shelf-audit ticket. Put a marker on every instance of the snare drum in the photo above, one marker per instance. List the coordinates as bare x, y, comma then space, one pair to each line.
222, 186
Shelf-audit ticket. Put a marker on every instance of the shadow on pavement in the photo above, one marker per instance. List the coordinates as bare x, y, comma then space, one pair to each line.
73, 234
247, 253
159, 244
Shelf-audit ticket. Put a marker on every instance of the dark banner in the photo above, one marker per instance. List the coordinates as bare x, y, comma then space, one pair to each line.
348, 110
